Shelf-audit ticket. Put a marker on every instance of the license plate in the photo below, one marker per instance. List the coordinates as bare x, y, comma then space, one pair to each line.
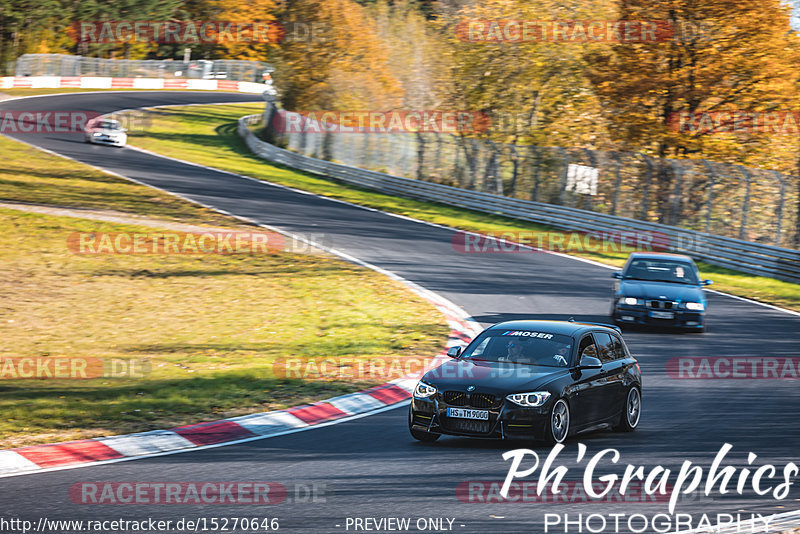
662, 315
463, 413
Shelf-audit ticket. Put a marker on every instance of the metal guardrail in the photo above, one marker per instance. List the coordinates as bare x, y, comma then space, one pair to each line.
743, 256
726, 199
68, 65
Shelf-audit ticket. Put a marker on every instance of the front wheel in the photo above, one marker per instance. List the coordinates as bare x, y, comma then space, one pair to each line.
558, 429
629, 419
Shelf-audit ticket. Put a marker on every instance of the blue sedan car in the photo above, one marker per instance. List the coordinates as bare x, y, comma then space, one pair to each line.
659, 289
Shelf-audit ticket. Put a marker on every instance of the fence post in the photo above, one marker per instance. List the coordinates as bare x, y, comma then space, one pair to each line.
535, 167
471, 156
746, 203
646, 192
514, 169
779, 215
676, 193
710, 201
562, 194
420, 155
593, 163
617, 182
491, 173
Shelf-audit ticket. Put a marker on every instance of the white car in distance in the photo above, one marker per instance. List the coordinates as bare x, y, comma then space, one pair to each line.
106, 132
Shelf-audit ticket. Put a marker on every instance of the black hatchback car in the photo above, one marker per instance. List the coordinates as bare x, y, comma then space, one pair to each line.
661, 290
540, 380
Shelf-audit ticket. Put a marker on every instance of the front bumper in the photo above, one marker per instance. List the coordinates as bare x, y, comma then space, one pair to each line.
506, 420
641, 315
103, 140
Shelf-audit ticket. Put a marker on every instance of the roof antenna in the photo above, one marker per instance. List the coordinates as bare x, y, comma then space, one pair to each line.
571, 319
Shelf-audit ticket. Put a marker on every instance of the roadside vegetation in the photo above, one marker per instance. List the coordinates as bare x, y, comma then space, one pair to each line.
207, 135
204, 329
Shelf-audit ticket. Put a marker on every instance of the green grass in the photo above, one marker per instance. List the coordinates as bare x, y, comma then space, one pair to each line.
209, 327
31, 176
207, 135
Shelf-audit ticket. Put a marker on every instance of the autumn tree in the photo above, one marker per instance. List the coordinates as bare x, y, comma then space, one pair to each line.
333, 58
249, 12
125, 10
721, 55
534, 89
416, 52
26, 25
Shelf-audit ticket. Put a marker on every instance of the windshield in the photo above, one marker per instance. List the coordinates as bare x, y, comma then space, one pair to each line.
661, 271
521, 346
109, 125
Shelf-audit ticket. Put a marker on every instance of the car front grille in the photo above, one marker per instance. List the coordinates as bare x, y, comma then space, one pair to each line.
482, 400
475, 400
662, 304
455, 398
466, 425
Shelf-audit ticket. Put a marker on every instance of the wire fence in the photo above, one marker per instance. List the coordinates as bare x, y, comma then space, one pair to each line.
67, 65
718, 198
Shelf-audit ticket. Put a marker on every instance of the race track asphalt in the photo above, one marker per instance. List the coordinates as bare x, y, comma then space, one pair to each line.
371, 467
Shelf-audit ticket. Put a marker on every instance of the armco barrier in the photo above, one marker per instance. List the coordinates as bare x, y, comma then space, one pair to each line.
103, 82
744, 256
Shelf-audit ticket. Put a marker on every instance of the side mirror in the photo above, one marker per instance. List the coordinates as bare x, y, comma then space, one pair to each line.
617, 275
590, 362
707, 282
453, 352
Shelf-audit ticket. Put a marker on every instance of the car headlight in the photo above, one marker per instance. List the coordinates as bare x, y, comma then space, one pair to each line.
529, 400
695, 306
630, 301
97, 134
424, 390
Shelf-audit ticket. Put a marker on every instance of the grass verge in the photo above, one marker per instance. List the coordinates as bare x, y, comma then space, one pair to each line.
31, 176
207, 329
207, 135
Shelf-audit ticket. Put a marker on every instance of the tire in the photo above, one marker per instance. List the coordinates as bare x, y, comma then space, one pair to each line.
558, 429
632, 413
420, 435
